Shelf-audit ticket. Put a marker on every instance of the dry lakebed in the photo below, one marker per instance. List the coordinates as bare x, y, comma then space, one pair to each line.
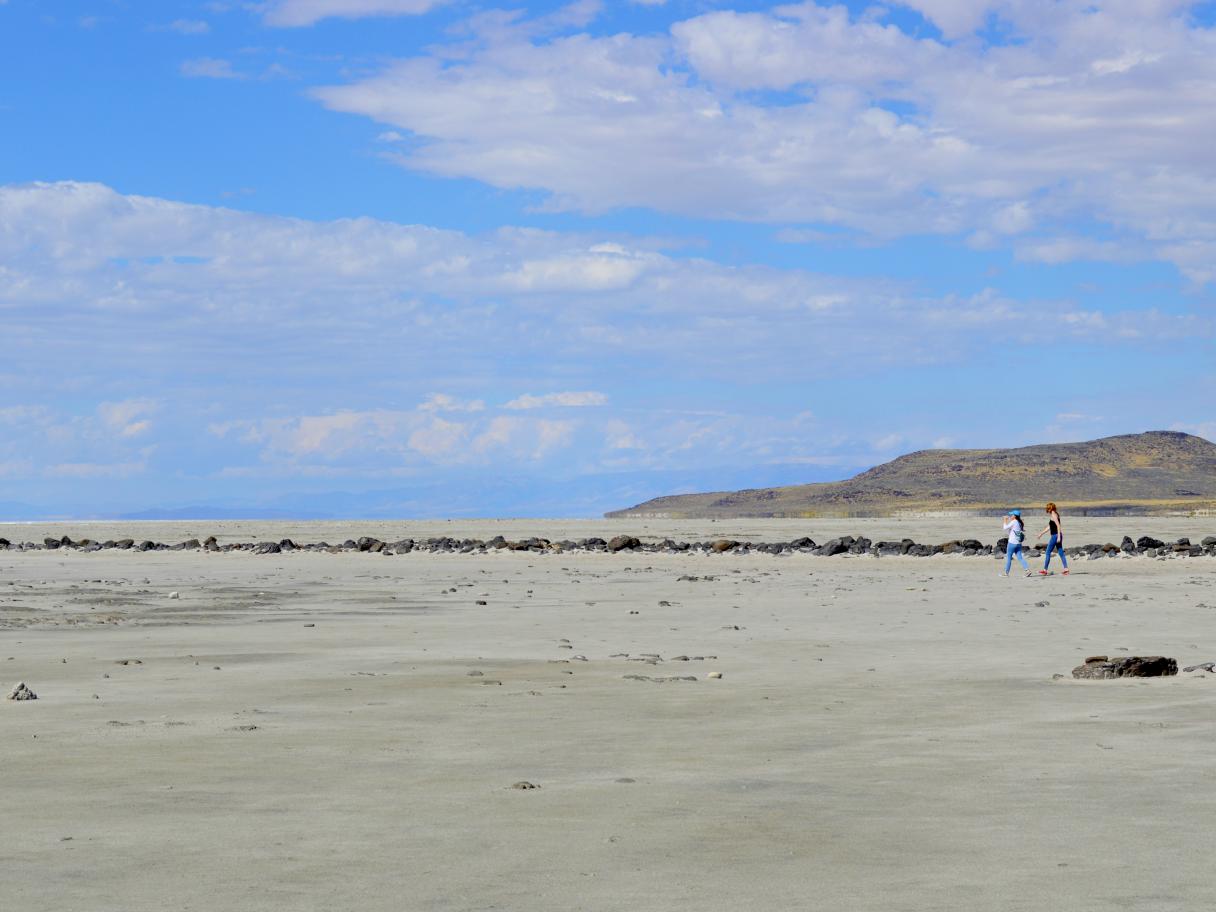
593, 731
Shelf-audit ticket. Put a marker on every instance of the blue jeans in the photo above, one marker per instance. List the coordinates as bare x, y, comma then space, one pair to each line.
1054, 544
1009, 554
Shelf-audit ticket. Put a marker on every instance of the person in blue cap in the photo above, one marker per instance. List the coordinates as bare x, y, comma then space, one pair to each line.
1017, 535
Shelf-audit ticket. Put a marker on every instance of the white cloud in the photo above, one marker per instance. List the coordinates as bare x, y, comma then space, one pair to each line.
284, 316
209, 68
438, 437
441, 402
295, 13
187, 27
525, 438
567, 400
94, 470
128, 418
1096, 113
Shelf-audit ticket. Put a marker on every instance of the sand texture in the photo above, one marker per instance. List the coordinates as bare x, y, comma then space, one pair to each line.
317, 731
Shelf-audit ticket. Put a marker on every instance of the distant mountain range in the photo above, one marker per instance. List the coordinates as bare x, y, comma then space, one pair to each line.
1154, 472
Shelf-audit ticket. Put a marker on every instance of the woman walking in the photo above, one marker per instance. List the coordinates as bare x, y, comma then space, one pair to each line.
1056, 543
1017, 534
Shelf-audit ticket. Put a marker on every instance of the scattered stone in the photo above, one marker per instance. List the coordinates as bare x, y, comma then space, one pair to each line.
524, 784
1096, 659
659, 680
22, 692
310, 625
1126, 667
129, 662
1203, 666
475, 674
715, 675
174, 595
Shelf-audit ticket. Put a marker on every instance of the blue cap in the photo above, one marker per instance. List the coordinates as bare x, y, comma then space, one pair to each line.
1015, 512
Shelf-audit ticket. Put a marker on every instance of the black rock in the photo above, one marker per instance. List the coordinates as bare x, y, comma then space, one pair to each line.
622, 542
267, 548
1127, 667
835, 546
1147, 541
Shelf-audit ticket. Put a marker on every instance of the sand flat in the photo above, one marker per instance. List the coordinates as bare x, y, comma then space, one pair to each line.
887, 733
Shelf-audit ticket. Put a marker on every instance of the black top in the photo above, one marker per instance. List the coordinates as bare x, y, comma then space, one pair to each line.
1055, 530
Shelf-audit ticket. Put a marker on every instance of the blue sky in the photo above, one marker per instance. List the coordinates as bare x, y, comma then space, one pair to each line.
417, 258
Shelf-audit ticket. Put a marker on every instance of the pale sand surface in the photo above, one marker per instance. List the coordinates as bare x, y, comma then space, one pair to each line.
926, 530
887, 734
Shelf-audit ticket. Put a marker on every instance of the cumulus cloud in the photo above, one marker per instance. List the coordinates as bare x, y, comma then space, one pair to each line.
318, 347
295, 13
567, 400
1097, 112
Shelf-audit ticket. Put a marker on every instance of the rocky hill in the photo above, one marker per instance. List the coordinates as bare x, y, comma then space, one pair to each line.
1154, 472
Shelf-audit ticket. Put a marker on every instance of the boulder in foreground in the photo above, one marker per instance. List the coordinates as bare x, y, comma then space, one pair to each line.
1100, 667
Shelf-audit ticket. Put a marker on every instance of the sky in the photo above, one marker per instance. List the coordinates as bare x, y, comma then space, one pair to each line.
426, 258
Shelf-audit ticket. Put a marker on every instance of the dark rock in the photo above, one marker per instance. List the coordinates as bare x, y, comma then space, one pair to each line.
1127, 546
1147, 541
835, 546
804, 542
50, 543
723, 545
623, 542
1209, 541
267, 548
1126, 667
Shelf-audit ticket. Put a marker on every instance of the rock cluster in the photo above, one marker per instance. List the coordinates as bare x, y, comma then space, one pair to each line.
1101, 667
22, 692
1145, 546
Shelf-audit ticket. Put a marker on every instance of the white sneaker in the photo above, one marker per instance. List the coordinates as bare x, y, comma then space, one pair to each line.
1004, 575
1029, 573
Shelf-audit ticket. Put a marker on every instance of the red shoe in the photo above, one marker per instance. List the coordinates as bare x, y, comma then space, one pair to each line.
1065, 573
1043, 573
